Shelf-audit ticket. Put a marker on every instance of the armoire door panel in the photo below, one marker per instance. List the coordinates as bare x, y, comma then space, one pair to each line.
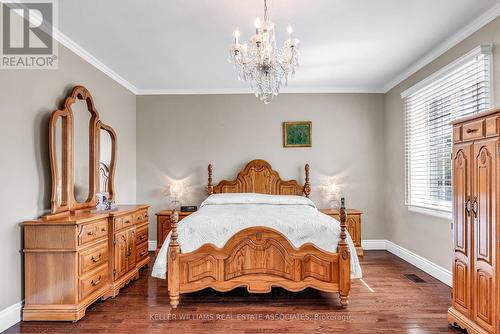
461, 286
462, 188
461, 191
485, 299
485, 168
484, 212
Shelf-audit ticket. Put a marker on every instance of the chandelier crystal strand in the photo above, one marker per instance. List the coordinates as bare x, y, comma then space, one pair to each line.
260, 63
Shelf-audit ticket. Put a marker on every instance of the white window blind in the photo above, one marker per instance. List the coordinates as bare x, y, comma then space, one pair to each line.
461, 88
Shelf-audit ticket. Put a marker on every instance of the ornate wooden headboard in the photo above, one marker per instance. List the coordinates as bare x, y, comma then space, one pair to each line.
259, 177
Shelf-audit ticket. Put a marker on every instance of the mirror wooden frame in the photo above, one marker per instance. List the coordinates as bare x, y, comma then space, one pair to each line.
63, 200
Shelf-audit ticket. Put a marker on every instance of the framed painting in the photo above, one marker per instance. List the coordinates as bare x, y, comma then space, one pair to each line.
297, 134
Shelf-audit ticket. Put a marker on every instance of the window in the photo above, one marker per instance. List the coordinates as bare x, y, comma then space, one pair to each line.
461, 88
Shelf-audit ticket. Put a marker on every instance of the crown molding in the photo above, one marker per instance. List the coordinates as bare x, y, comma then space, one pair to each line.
61, 38
88, 57
452, 41
230, 91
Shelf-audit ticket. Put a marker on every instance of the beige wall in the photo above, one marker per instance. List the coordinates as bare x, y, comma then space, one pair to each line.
177, 136
425, 235
27, 97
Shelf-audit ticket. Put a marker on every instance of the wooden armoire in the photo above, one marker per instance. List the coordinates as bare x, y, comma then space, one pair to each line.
476, 179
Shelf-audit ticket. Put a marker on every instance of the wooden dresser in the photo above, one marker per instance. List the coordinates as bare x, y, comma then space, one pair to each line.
353, 225
75, 255
71, 262
164, 225
476, 179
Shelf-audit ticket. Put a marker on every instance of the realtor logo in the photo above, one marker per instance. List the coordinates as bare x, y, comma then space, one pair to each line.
27, 35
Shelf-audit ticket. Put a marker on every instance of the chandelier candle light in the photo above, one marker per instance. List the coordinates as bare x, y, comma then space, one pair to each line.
262, 64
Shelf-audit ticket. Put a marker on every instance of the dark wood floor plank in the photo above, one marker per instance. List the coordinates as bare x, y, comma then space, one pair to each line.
388, 303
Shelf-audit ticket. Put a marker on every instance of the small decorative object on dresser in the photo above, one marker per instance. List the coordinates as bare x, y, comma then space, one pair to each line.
164, 225
476, 251
353, 225
77, 254
297, 134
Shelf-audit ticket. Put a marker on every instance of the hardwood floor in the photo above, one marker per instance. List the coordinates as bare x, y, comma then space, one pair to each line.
388, 303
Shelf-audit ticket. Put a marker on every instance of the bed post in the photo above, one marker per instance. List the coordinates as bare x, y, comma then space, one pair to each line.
173, 262
344, 258
210, 187
307, 185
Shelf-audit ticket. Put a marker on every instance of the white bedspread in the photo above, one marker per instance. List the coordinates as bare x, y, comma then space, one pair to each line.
223, 215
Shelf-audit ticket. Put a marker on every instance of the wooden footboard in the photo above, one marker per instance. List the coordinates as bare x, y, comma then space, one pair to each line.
258, 258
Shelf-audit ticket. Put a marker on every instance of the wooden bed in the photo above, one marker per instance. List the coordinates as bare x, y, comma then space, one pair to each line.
259, 257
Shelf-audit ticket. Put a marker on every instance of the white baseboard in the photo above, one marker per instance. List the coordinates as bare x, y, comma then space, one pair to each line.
418, 261
10, 316
151, 245
422, 263
374, 244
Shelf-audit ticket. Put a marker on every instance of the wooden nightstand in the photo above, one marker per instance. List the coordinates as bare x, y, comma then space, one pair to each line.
163, 225
353, 225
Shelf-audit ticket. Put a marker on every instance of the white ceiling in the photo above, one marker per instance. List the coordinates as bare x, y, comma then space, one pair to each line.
182, 45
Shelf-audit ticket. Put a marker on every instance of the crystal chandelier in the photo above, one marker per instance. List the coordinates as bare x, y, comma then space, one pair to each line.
262, 64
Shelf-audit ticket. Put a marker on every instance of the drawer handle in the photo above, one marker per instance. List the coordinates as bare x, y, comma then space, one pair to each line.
103, 229
93, 259
142, 253
142, 237
127, 221
96, 282
471, 130
91, 233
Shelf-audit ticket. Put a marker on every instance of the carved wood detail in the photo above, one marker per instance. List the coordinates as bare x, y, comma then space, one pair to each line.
259, 177
257, 258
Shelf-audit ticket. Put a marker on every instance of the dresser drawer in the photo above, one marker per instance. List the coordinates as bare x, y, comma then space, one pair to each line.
473, 130
142, 235
123, 222
142, 251
93, 282
141, 216
93, 258
93, 231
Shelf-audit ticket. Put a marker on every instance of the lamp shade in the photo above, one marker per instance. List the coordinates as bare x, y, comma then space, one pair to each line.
176, 189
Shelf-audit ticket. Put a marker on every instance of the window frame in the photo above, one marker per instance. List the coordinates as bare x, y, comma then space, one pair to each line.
480, 50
